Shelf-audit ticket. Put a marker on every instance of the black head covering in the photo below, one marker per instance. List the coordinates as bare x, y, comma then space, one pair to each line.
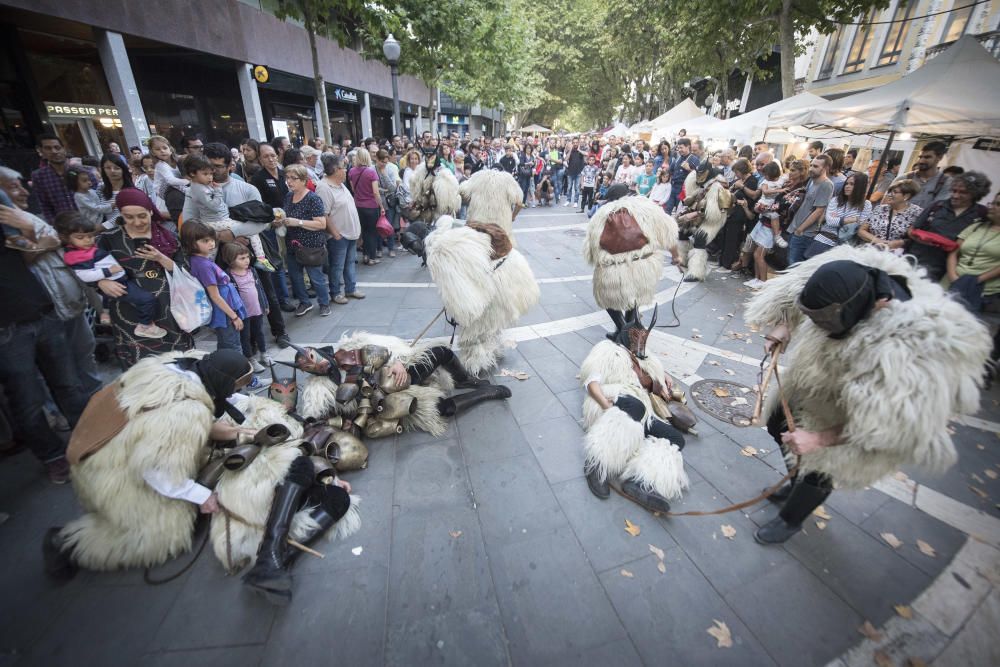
219, 372
854, 288
706, 172
616, 192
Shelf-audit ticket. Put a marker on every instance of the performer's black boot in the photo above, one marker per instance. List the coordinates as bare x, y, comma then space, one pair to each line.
803, 499
58, 564
463, 379
600, 488
781, 494
650, 500
449, 407
619, 321
333, 505
269, 577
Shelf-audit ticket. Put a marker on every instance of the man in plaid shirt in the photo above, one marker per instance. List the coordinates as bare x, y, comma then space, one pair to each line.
48, 181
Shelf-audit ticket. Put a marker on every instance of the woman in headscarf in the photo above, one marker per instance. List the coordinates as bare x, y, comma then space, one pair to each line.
863, 327
147, 251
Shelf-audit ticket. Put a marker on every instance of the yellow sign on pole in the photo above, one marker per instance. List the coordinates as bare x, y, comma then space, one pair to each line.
261, 74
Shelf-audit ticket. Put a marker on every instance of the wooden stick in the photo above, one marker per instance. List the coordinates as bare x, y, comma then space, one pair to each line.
426, 328
302, 547
762, 389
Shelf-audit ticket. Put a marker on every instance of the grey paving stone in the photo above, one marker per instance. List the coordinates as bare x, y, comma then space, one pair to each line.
559, 311
431, 571
909, 525
381, 457
432, 475
489, 432
421, 298
466, 637
620, 653
103, 629
975, 645
553, 293
718, 459
667, 615
574, 346
600, 525
863, 570
572, 400
536, 315
780, 604
230, 656
538, 347
533, 401
514, 501
558, 446
551, 602
594, 334
408, 439
334, 617
727, 563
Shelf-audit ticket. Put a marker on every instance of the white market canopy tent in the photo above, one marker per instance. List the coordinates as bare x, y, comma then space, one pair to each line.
697, 127
619, 130
684, 111
534, 129
957, 93
752, 125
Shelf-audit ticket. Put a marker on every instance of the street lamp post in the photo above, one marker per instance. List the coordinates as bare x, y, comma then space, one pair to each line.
501, 107
390, 47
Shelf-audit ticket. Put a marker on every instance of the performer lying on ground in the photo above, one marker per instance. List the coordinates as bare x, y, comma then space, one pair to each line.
879, 360
135, 459
627, 444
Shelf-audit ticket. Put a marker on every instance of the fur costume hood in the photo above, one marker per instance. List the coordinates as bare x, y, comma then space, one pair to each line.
445, 188
892, 383
491, 196
704, 230
629, 279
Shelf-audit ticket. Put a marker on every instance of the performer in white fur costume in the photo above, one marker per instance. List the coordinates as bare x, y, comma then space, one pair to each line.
136, 453
485, 285
879, 359
707, 198
624, 244
434, 190
493, 196
423, 373
627, 446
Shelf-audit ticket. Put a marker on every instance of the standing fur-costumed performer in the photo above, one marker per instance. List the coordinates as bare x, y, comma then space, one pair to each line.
624, 244
377, 385
707, 198
434, 190
864, 328
494, 197
627, 445
138, 459
485, 285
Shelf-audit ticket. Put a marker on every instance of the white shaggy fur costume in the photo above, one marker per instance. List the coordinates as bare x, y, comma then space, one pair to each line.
445, 188
616, 444
318, 397
626, 280
492, 196
484, 295
712, 205
892, 383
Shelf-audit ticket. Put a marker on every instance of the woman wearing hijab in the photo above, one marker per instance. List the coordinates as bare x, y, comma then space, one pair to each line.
147, 251
135, 458
862, 326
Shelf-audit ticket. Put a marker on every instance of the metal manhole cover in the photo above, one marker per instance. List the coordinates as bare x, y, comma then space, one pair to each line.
727, 401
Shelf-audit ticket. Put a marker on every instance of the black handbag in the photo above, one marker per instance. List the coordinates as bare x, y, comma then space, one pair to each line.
308, 256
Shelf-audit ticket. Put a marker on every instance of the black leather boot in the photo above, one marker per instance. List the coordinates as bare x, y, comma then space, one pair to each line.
619, 321
58, 564
649, 500
600, 488
463, 379
781, 494
802, 500
324, 522
269, 576
452, 406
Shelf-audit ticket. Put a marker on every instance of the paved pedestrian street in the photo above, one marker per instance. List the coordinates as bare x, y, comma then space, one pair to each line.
485, 546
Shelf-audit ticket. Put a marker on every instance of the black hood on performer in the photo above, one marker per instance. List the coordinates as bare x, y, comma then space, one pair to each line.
841, 293
220, 372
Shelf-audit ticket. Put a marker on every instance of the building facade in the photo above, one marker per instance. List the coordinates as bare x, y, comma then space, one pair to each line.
96, 71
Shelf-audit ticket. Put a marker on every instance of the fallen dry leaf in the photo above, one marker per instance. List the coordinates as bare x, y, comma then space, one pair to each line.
926, 549
744, 389
901, 476
696, 336
728, 531
519, 375
720, 392
632, 529
748, 451
822, 513
455, 533
891, 540
658, 551
821, 524
869, 631
904, 611
728, 372
626, 573
992, 474
713, 363
661, 567
977, 478
980, 446
721, 633
739, 400
882, 659
979, 492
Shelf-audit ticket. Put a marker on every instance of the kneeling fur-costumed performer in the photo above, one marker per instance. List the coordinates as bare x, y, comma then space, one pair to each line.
375, 385
864, 328
627, 445
138, 459
707, 199
485, 285
624, 244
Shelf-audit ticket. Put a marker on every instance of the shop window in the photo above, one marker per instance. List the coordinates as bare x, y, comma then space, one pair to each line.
861, 45
958, 21
898, 31
832, 49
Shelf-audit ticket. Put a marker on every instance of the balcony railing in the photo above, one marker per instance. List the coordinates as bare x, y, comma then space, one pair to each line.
991, 40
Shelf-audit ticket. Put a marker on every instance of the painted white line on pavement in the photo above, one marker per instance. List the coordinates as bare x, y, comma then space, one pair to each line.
977, 423
550, 228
